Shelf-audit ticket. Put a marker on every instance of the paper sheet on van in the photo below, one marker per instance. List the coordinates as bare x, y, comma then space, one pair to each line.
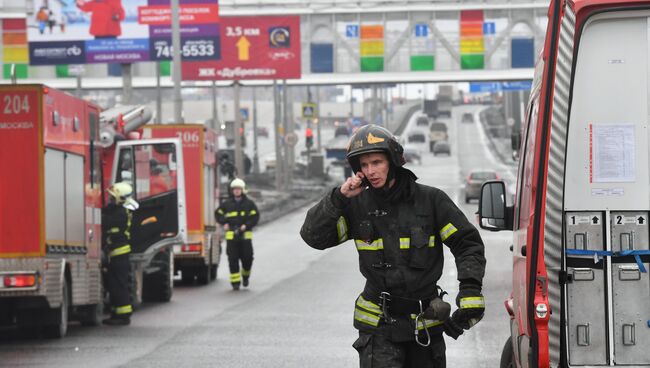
612, 156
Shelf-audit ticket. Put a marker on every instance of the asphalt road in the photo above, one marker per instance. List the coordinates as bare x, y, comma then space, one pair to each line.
298, 310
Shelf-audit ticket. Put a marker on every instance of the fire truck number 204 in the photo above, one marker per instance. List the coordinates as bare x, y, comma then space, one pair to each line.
15, 104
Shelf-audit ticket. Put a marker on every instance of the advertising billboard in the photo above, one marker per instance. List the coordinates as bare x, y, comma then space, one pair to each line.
253, 48
120, 31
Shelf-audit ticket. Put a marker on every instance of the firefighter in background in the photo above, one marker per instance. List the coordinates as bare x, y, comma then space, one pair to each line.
398, 227
116, 227
238, 215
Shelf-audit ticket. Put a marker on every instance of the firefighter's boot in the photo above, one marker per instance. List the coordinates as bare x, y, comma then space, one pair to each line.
246, 274
117, 320
235, 286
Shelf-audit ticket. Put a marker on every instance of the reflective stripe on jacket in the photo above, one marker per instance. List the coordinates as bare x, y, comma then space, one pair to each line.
116, 229
237, 213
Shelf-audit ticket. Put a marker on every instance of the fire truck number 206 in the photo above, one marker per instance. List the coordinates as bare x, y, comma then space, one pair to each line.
188, 137
15, 104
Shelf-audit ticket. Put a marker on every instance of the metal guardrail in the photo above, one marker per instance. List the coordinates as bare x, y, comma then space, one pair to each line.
405, 120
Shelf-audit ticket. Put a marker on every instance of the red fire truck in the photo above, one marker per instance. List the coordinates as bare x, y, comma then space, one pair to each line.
580, 286
55, 169
199, 256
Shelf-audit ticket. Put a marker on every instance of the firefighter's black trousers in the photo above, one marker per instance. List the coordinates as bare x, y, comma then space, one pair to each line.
377, 351
239, 250
118, 284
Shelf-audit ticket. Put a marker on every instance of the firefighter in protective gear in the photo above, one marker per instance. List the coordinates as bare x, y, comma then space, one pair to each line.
238, 215
399, 227
116, 227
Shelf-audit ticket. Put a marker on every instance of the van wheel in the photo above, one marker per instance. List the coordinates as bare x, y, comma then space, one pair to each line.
507, 355
59, 328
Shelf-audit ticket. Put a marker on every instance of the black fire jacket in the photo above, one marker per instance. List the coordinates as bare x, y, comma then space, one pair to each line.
399, 239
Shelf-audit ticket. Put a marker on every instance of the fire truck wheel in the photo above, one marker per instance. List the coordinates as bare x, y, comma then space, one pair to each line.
203, 275
91, 315
508, 355
187, 277
59, 327
213, 272
159, 285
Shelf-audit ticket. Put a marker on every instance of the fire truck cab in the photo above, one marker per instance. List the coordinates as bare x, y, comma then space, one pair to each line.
581, 248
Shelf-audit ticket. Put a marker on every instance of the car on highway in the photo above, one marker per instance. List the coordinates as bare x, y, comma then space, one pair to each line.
417, 137
412, 155
342, 130
467, 117
437, 132
475, 180
263, 132
422, 121
441, 148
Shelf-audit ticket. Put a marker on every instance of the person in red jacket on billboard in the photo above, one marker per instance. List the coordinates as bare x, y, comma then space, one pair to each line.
105, 18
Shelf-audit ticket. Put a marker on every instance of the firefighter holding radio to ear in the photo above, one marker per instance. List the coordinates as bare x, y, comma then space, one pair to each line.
116, 227
398, 227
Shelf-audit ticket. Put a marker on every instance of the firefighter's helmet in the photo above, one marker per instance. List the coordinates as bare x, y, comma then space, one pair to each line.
121, 191
373, 138
238, 183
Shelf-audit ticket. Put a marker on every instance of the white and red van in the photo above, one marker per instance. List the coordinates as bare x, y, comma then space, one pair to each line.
580, 286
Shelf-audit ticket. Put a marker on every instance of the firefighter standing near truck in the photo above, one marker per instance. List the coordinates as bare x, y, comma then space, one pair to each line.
116, 227
238, 215
398, 227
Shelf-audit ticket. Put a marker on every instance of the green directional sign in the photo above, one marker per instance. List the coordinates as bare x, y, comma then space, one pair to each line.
422, 63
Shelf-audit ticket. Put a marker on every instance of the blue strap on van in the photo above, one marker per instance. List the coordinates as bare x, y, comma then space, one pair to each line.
605, 253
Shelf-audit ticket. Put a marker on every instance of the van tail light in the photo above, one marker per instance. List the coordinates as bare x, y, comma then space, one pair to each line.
19, 281
192, 248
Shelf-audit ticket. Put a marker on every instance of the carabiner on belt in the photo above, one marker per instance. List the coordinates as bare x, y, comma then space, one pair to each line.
384, 298
420, 319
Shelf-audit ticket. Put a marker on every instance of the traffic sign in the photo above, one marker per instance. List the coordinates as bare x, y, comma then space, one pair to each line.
489, 28
291, 139
421, 30
244, 113
352, 31
309, 110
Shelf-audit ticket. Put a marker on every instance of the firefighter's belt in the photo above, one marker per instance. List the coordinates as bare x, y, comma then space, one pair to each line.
400, 306
125, 249
598, 254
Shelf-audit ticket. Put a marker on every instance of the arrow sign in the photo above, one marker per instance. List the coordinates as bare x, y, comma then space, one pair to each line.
243, 48
594, 220
640, 220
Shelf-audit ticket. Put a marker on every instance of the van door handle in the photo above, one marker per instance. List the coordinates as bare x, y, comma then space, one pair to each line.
523, 250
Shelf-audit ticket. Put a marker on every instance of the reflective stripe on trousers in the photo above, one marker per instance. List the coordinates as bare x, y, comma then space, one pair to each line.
125, 309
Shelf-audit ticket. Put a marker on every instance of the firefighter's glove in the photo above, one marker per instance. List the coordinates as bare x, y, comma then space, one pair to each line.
471, 306
438, 310
452, 329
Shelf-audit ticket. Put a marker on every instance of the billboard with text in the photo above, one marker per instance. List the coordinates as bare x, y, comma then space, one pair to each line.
120, 31
253, 48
